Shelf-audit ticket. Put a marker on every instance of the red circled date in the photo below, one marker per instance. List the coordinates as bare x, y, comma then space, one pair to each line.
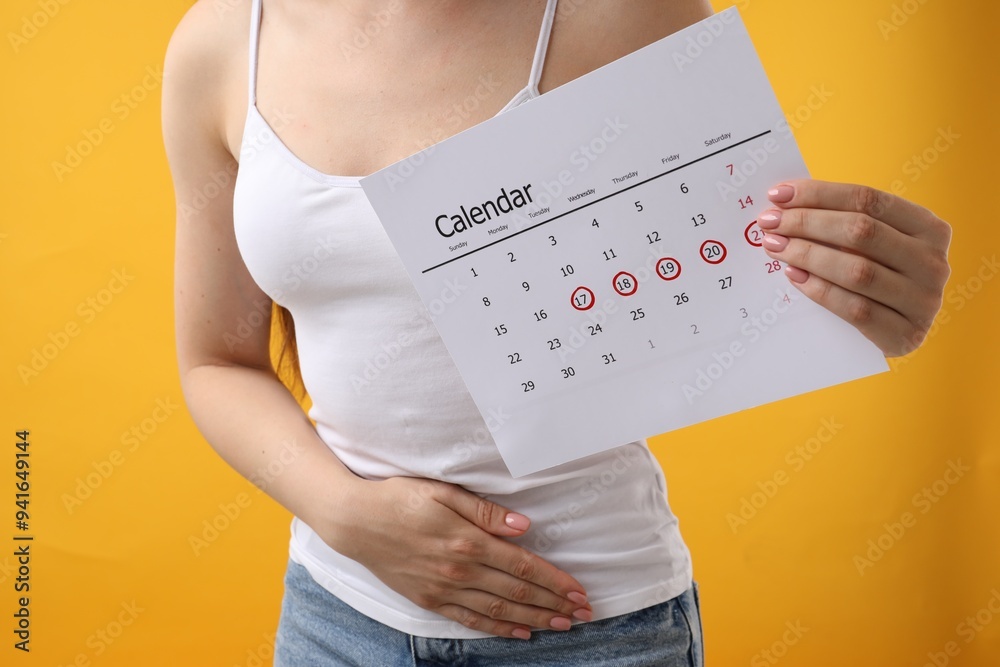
713, 252
625, 283
753, 234
582, 298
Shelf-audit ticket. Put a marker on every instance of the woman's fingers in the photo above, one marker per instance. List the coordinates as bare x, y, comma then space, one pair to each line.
853, 272
894, 334
856, 232
878, 261
516, 561
477, 609
492, 600
483, 623
443, 548
486, 514
903, 215
520, 576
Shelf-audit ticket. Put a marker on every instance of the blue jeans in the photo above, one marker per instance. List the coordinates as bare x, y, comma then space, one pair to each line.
316, 629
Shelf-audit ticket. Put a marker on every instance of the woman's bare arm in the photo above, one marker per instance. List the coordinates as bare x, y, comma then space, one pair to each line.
231, 391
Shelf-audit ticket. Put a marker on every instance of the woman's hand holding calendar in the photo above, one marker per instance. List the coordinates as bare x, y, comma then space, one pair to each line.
874, 259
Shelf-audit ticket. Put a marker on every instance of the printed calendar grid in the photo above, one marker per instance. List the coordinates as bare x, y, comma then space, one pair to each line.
637, 343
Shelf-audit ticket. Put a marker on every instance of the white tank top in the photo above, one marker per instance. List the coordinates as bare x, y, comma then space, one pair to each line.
388, 400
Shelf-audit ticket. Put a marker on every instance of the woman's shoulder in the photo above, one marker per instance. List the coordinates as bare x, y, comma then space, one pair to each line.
204, 66
207, 36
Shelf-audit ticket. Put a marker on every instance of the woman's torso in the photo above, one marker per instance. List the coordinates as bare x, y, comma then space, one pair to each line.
386, 396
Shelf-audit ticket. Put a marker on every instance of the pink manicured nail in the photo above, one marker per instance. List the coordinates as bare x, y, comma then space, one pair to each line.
796, 275
584, 615
578, 598
769, 219
521, 633
781, 194
517, 521
775, 242
560, 623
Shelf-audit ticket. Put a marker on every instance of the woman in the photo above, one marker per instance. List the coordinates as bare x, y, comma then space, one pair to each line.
411, 543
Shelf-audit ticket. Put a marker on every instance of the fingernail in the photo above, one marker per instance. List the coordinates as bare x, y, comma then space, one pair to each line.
521, 633
560, 623
578, 598
781, 194
517, 521
796, 275
769, 219
584, 615
775, 242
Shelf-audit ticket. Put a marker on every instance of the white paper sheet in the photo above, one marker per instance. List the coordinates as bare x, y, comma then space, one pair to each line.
591, 261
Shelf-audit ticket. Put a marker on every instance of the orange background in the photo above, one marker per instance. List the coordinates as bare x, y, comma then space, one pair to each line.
107, 402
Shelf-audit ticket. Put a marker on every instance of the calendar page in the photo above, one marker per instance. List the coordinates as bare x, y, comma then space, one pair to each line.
591, 259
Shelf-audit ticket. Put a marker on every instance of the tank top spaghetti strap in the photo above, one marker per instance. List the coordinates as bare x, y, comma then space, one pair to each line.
529, 91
